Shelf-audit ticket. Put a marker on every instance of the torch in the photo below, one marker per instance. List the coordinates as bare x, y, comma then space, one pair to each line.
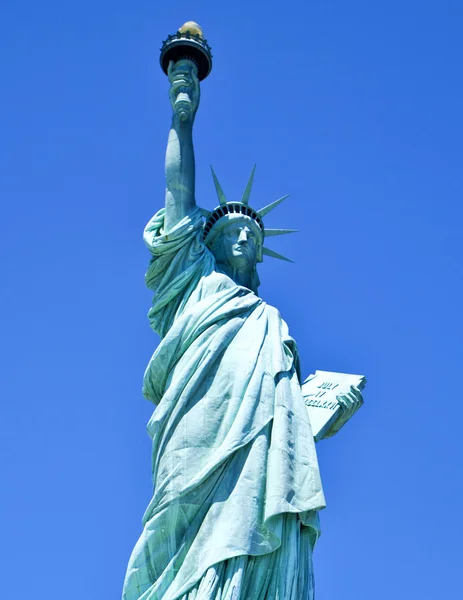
188, 43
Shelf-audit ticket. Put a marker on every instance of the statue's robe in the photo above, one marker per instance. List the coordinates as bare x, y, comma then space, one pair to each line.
235, 472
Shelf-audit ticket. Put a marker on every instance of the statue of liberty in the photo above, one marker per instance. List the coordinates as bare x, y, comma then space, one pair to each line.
237, 490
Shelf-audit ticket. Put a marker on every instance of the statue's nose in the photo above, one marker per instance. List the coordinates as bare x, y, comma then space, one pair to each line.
243, 237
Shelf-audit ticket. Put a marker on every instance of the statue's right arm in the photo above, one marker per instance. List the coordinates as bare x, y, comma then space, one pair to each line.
180, 160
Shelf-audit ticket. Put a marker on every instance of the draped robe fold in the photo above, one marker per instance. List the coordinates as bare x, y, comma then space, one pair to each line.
233, 455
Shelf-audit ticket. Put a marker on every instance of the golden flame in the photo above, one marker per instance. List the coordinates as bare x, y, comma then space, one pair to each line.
191, 27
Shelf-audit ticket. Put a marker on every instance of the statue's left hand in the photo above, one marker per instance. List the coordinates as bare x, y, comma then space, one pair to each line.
349, 403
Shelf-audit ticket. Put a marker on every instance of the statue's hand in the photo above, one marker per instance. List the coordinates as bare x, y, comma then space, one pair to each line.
184, 88
349, 403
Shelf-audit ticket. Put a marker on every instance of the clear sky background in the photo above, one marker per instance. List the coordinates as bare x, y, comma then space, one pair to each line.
355, 108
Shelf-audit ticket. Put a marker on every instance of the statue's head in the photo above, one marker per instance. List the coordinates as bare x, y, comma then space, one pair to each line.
234, 232
236, 242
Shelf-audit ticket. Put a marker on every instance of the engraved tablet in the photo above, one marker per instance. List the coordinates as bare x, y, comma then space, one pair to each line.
320, 391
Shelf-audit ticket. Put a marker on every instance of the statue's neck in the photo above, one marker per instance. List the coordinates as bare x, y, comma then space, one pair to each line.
240, 276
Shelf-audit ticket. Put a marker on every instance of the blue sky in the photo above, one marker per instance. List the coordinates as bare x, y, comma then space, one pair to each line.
352, 107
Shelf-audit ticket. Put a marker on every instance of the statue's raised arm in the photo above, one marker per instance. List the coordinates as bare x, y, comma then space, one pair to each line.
180, 161
236, 483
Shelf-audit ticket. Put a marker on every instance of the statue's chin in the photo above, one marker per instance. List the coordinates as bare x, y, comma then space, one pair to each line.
242, 263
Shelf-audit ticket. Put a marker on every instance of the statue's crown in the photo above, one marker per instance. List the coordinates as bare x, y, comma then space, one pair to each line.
242, 208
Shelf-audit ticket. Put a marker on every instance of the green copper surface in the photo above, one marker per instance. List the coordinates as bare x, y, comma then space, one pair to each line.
236, 483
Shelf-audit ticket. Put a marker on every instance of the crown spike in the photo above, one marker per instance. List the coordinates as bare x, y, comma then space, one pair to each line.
219, 190
273, 254
247, 191
264, 211
272, 232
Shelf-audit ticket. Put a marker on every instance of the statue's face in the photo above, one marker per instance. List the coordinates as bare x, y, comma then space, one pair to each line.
237, 244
